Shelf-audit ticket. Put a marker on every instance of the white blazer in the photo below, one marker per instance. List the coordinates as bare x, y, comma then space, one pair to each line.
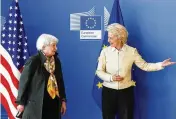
119, 62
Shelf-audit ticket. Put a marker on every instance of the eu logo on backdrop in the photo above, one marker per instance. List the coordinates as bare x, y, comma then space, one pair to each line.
90, 27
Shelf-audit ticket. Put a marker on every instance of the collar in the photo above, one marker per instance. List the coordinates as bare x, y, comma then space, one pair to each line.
43, 57
122, 49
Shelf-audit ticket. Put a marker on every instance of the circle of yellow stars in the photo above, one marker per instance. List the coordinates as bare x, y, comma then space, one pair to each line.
89, 19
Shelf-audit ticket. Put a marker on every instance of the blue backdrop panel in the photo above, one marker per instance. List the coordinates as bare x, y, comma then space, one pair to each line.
151, 25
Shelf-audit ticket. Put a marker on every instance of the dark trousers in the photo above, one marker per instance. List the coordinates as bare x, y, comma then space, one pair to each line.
117, 102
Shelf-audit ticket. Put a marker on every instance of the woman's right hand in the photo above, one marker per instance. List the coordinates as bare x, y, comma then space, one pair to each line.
117, 78
20, 108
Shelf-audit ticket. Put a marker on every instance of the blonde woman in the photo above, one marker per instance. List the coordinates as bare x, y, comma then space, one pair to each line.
114, 68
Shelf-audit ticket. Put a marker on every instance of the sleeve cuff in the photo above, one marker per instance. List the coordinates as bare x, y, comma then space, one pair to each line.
111, 80
19, 102
160, 67
64, 100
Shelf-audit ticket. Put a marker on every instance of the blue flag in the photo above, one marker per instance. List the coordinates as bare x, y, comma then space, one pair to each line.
115, 17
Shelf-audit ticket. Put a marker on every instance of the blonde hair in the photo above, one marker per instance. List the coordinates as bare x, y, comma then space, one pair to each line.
119, 31
44, 40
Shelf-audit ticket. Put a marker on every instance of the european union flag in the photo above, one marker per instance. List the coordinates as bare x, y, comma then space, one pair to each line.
115, 17
90, 22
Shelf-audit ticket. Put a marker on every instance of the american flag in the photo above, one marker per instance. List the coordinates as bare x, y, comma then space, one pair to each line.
14, 53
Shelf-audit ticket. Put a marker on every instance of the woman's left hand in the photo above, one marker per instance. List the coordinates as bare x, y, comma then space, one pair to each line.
167, 62
63, 107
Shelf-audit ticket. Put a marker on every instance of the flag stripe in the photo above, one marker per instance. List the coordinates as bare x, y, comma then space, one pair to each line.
9, 89
8, 103
8, 79
6, 106
6, 68
6, 55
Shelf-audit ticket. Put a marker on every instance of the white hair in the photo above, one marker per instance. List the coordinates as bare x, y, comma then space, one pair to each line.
44, 40
119, 31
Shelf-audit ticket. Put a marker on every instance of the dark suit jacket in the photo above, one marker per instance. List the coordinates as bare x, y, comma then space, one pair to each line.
32, 84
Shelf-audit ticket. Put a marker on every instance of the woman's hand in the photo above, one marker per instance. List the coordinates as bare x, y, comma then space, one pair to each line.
167, 62
20, 108
63, 107
117, 78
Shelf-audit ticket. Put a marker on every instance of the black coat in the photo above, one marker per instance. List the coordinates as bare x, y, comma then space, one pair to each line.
32, 85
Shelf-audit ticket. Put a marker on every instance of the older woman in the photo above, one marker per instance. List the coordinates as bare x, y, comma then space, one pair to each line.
114, 68
41, 93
